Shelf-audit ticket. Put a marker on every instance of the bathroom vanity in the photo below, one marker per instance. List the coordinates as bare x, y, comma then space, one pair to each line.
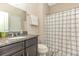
13, 40
26, 46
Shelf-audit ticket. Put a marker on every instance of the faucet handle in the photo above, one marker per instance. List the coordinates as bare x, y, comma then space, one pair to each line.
10, 35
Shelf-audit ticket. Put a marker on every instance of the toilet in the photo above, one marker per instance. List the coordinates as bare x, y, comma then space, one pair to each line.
42, 49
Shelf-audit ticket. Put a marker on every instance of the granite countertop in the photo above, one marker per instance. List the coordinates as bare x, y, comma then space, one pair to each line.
7, 41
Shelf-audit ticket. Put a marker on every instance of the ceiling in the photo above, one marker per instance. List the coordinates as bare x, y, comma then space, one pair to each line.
21, 6
50, 4
26, 6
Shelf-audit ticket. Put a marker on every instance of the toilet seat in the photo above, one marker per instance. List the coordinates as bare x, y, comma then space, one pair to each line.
42, 49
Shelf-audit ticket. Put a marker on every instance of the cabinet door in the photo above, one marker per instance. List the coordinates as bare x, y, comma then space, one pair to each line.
31, 41
11, 49
21, 53
31, 51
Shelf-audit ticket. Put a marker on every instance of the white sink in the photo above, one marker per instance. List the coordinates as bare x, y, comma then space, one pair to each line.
15, 39
21, 37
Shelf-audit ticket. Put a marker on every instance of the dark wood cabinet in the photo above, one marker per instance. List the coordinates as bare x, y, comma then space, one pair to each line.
31, 47
11, 49
27, 47
20, 53
30, 42
31, 51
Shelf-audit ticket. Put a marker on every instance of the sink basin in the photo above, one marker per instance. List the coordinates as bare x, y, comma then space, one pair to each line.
14, 39
21, 37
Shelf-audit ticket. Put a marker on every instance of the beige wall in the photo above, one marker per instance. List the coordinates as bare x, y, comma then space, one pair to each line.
37, 9
44, 10
31, 9
13, 10
40, 10
62, 6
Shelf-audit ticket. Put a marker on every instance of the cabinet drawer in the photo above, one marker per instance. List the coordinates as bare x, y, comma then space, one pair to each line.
31, 42
20, 53
7, 50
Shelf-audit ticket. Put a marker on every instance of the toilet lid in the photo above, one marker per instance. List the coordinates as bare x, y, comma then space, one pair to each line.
42, 48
